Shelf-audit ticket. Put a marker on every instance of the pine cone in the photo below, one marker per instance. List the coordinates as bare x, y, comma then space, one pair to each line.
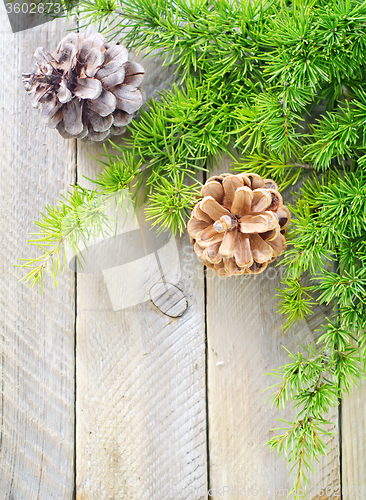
87, 88
239, 225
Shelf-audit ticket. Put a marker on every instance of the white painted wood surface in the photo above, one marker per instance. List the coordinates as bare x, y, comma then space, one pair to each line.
141, 376
37, 332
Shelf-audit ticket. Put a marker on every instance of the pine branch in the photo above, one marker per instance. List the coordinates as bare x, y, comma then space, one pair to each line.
313, 382
78, 218
295, 301
330, 219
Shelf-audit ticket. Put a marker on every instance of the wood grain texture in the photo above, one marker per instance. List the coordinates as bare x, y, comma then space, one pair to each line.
141, 415
37, 332
245, 341
354, 442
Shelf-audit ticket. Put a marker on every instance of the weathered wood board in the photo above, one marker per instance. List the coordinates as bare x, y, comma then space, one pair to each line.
141, 415
245, 341
141, 427
37, 332
353, 424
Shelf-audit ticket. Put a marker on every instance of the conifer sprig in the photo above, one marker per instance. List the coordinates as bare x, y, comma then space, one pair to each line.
78, 218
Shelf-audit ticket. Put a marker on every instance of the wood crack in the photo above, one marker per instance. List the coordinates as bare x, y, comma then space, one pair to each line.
40, 473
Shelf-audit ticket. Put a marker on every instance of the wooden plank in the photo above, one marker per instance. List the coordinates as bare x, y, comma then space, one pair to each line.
37, 332
353, 428
141, 415
245, 341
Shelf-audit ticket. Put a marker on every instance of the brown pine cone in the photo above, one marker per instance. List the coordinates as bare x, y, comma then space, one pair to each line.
86, 88
238, 227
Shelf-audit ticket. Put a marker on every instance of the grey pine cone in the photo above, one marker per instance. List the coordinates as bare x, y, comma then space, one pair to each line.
86, 88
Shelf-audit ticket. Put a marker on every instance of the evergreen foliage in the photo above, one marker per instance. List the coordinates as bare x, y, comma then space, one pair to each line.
79, 217
280, 86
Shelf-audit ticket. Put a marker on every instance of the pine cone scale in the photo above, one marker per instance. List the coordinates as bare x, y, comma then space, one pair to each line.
195, 226
242, 201
134, 73
85, 45
97, 136
93, 62
73, 122
215, 190
111, 74
212, 253
262, 199
278, 244
201, 215
228, 243
121, 118
42, 90
213, 209
104, 105
56, 118
261, 252
116, 53
43, 60
230, 185
50, 108
255, 223
129, 98
63, 94
87, 88
205, 236
242, 251
100, 123
283, 216
67, 58
208, 237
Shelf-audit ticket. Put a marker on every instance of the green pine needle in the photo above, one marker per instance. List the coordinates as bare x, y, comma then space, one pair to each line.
171, 204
